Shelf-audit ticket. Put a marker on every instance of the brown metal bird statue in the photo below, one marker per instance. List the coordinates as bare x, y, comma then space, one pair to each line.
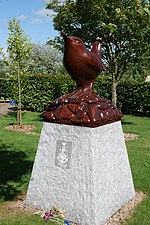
82, 65
82, 107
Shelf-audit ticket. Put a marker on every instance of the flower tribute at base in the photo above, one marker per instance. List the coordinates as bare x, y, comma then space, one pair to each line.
57, 217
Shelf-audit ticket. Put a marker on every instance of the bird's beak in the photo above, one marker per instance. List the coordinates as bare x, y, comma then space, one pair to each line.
65, 37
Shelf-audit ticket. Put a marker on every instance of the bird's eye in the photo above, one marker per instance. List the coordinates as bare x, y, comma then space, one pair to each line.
77, 41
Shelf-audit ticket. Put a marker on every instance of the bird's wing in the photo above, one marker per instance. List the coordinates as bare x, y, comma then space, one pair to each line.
93, 61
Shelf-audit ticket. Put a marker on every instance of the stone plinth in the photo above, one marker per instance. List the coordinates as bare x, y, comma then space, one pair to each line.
84, 171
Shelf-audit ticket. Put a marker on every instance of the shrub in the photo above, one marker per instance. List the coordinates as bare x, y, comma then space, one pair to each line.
134, 97
102, 87
6, 85
38, 91
44, 59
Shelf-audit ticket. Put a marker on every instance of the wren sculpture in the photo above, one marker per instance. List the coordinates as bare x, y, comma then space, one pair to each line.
82, 107
82, 65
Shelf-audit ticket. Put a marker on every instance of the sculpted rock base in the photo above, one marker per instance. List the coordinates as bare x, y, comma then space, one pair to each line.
83, 109
83, 171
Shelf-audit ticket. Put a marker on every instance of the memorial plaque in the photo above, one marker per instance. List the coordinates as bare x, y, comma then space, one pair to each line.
63, 154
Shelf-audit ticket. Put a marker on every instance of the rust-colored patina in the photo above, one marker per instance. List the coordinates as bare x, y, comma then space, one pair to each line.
82, 106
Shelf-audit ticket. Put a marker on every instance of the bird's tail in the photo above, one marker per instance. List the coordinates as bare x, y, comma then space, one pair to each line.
96, 49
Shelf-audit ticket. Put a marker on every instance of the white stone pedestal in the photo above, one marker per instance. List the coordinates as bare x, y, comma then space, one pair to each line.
84, 171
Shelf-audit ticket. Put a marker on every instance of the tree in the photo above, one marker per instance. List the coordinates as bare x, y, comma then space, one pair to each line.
44, 59
121, 26
19, 49
1, 51
1, 63
3, 69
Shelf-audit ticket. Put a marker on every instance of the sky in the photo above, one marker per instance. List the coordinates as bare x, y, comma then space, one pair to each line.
33, 20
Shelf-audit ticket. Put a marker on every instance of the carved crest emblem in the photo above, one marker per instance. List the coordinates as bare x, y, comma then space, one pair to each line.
63, 154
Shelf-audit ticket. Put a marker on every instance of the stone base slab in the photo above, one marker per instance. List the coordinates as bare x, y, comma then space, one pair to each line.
84, 171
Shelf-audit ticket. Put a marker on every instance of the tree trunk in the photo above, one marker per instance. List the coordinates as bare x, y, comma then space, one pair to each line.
114, 90
19, 113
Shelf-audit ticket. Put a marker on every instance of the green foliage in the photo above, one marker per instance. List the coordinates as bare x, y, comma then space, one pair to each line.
134, 97
5, 88
44, 59
2, 69
102, 87
40, 90
19, 49
19, 46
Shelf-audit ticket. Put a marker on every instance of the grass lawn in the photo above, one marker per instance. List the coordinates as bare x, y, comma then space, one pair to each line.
17, 152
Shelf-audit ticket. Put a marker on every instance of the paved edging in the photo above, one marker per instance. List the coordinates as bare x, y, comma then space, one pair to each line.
4, 108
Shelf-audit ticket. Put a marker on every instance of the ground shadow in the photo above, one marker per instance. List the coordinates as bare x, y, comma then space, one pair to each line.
13, 115
38, 118
126, 122
13, 108
13, 166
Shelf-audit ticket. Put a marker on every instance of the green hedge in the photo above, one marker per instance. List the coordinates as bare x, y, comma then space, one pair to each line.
5, 88
134, 98
39, 91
